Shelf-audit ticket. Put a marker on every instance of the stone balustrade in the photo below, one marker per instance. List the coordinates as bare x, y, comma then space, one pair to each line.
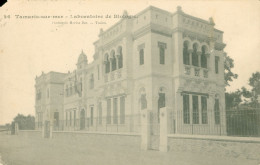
196, 71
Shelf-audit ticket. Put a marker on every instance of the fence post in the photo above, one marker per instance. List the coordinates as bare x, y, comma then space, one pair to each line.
145, 129
16, 128
164, 115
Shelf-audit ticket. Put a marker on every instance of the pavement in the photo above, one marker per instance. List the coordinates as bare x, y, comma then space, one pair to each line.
19, 150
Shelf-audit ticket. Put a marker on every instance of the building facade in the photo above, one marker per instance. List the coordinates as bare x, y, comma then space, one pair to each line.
155, 59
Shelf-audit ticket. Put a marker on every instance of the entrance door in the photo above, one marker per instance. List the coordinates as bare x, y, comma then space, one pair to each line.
82, 119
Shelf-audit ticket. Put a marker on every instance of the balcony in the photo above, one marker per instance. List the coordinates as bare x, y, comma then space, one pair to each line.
112, 76
196, 71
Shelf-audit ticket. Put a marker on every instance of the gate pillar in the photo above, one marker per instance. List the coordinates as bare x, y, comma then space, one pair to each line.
16, 128
145, 129
164, 119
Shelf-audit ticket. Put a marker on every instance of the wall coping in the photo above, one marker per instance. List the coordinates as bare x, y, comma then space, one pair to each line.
101, 133
216, 138
29, 130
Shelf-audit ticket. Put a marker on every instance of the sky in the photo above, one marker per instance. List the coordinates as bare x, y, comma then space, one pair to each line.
30, 46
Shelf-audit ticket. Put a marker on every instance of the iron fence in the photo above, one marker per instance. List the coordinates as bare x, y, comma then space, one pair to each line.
234, 122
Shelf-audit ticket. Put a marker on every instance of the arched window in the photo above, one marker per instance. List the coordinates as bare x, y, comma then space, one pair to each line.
141, 56
70, 91
67, 90
107, 64
195, 57
186, 57
120, 58
113, 61
203, 57
161, 101
143, 101
143, 98
162, 55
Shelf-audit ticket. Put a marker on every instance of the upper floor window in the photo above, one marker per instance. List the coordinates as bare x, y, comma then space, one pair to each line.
162, 47
120, 57
38, 95
91, 81
70, 90
186, 56
216, 64
141, 56
107, 64
203, 57
67, 90
113, 60
141, 53
195, 57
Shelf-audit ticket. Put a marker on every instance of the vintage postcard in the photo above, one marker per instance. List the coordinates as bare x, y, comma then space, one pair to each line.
129, 82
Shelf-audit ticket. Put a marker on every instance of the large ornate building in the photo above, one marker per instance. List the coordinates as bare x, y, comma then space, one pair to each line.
153, 60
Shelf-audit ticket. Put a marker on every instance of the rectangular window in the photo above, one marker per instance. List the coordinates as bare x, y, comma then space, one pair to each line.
74, 115
216, 64
66, 118
141, 56
204, 112
195, 110
217, 112
91, 116
100, 113
186, 109
162, 55
115, 116
108, 111
70, 118
122, 110
98, 71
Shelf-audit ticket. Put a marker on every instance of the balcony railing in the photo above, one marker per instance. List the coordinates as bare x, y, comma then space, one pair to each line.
195, 71
112, 76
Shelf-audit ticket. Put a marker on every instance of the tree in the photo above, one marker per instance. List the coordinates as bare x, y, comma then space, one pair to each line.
228, 65
24, 122
254, 82
233, 99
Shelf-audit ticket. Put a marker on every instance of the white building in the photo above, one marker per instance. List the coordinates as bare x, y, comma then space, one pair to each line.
153, 60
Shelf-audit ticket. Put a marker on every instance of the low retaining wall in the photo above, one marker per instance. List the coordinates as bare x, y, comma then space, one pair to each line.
248, 148
30, 133
100, 139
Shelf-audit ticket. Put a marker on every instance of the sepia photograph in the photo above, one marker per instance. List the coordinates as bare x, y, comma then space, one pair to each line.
130, 82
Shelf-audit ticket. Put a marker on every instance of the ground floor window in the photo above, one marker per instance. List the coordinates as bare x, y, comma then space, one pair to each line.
186, 109
195, 109
100, 113
217, 112
108, 111
204, 113
91, 116
115, 116
122, 110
